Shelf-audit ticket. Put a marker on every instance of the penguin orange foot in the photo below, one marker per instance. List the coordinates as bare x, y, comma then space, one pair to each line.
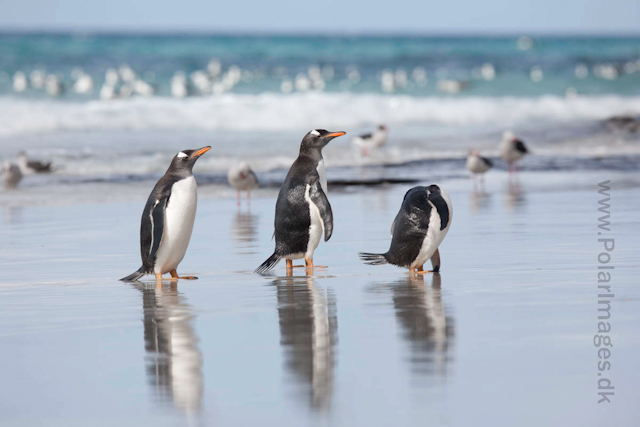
174, 275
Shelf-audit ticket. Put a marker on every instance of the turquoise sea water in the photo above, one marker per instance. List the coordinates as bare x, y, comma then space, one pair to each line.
267, 60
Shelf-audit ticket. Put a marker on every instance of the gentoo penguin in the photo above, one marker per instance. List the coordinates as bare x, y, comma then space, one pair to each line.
419, 228
11, 175
242, 178
303, 211
512, 149
167, 219
30, 167
371, 141
478, 165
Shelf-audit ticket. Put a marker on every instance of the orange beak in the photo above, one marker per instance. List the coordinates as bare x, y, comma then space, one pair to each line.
335, 134
200, 152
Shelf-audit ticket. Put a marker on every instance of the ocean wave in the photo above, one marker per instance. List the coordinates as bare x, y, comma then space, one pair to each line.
273, 112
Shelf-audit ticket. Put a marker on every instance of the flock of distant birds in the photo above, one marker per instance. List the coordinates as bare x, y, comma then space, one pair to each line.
124, 82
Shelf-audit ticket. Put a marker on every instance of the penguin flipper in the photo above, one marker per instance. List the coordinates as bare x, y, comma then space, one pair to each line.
318, 197
152, 232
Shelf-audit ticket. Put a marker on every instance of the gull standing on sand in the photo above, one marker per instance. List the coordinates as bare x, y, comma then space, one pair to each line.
168, 217
478, 166
30, 167
512, 150
419, 228
369, 142
242, 178
303, 212
11, 175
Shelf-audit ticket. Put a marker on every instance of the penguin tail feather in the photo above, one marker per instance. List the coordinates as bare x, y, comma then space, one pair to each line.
134, 276
373, 259
269, 263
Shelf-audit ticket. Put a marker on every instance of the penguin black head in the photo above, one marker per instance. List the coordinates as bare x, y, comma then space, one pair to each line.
182, 163
433, 189
317, 139
419, 197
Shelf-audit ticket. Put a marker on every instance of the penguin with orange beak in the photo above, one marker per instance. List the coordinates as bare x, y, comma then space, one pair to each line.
168, 217
303, 212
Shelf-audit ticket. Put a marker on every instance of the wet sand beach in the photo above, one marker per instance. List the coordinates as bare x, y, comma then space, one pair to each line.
503, 335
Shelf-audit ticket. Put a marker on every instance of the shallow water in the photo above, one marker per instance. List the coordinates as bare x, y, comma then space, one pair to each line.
503, 336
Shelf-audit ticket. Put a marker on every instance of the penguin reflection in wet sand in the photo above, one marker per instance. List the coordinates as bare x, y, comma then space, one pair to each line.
168, 217
419, 228
303, 211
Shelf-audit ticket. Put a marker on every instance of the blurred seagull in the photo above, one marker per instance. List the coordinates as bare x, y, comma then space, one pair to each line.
37, 78
11, 175
242, 178
108, 91
83, 84
20, 81
53, 85
512, 150
30, 167
179, 87
371, 141
478, 166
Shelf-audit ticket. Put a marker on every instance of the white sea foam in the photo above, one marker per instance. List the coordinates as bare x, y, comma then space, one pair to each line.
240, 112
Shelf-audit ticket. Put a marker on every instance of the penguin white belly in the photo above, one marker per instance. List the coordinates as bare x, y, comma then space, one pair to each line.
316, 228
431, 240
179, 217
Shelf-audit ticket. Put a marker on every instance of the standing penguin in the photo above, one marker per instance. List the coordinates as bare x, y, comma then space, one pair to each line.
303, 211
167, 219
419, 228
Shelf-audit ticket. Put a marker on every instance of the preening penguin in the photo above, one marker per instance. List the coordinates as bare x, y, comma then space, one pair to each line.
303, 212
167, 219
419, 228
